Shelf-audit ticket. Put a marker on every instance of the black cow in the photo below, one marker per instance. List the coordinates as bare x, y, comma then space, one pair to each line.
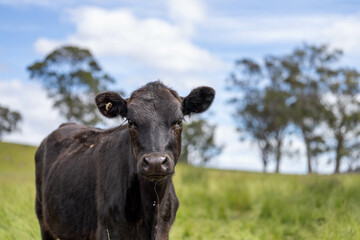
116, 183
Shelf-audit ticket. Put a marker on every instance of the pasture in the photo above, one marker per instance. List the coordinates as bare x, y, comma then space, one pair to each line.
214, 204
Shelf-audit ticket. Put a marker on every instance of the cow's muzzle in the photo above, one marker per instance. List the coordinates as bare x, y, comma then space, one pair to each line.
155, 166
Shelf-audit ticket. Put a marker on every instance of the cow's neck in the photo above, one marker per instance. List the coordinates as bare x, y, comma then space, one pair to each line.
152, 196
153, 190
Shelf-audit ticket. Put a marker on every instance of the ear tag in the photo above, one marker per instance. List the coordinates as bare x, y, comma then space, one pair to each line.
108, 106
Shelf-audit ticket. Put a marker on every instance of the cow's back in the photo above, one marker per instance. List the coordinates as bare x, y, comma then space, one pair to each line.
66, 181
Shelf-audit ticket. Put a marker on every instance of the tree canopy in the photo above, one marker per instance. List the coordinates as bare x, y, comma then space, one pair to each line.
9, 120
198, 140
261, 112
343, 101
72, 78
305, 90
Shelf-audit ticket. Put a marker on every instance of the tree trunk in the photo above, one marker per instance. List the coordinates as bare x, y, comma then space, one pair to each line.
337, 164
264, 159
264, 151
308, 154
339, 149
277, 166
278, 155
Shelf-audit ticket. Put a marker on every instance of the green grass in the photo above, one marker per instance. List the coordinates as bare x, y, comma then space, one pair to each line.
214, 204
17, 193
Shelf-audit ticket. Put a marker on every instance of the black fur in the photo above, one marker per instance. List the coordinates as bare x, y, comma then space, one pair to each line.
118, 104
199, 100
90, 183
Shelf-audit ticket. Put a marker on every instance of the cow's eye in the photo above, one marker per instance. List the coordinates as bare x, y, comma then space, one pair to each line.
131, 124
178, 123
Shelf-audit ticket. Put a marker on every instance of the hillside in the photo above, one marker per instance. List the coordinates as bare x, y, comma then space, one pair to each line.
214, 204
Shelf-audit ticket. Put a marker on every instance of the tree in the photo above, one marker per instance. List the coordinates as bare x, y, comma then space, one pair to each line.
9, 120
307, 88
354, 156
300, 73
198, 140
276, 113
344, 103
254, 123
72, 78
261, 111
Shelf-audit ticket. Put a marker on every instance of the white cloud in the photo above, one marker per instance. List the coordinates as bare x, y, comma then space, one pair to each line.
340, 31
44, 45
150, 41
344, 33
39, 117
187, 10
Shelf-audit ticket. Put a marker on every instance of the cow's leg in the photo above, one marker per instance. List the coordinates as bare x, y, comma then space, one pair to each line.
45, 235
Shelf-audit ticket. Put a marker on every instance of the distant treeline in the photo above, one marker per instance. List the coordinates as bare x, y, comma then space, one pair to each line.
307, 93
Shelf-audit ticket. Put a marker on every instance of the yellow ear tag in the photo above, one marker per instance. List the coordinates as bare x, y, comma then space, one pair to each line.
108, 106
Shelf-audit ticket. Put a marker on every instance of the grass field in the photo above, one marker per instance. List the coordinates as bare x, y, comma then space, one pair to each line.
214, 204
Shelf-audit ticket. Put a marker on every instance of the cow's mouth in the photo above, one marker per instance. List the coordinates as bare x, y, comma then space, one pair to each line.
157, 177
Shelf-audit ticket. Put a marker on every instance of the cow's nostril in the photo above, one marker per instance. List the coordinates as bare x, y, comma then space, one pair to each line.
145, 163
164, 161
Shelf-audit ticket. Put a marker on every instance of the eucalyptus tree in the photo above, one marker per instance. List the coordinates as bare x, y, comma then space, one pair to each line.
300, 71
343, 100
198, 138
9, 120
72, 78
306, 88
261, 112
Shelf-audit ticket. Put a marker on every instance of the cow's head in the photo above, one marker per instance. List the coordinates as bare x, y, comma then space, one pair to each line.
155, 114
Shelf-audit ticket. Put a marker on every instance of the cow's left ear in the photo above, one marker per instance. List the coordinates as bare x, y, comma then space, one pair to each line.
199, 100
111, 104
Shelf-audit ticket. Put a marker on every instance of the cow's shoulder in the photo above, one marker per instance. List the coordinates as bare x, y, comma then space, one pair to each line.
69, 136
80, 135
71, 131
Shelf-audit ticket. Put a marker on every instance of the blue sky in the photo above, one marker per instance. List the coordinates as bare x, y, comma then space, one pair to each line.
183, 43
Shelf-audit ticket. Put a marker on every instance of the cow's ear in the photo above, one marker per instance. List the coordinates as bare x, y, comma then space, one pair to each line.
111, 104
199, 100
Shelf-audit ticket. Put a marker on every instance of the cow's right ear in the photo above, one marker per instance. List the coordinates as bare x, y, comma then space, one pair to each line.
111, 104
